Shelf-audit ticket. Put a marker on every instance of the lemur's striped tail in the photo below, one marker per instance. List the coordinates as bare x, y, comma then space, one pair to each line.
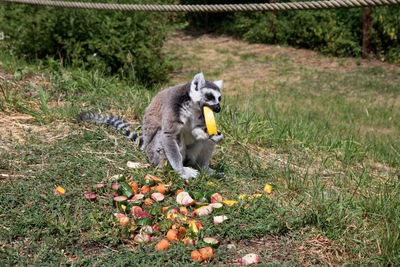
117, 122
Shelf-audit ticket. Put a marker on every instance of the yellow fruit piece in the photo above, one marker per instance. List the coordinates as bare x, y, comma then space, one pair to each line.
60, 190
255, 196
193, 228
243, 196
172, 216
212, 184
268, 188
210, 121
229, 203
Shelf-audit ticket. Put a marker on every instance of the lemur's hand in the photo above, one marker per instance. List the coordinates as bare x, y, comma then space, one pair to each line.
217, 137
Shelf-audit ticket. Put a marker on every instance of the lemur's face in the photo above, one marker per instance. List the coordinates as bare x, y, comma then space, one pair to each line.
211, 98
206, 93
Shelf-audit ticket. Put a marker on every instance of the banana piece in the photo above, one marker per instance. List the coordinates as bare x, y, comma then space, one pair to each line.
210, 121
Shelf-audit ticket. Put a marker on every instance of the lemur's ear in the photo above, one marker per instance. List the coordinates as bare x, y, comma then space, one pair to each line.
198, 82
219, 83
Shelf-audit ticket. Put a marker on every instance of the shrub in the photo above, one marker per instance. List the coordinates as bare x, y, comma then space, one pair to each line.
386, 32
128, 43
335, 32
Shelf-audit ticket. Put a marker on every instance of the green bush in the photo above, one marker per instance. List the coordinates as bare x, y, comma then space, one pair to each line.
386, 32
335, 32
127, 43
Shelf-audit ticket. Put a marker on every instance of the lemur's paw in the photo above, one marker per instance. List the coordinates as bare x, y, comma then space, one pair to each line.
217, 138
188, 173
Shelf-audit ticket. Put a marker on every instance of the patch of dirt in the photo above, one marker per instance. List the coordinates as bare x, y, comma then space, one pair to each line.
304, 247
17, 127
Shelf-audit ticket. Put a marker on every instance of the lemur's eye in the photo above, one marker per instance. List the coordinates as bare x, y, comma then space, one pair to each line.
219, 99
209, 97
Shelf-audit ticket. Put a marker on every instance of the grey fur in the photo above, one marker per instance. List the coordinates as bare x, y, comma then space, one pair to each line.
174, 126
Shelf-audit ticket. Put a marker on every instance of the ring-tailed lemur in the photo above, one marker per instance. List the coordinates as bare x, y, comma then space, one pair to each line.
174, 126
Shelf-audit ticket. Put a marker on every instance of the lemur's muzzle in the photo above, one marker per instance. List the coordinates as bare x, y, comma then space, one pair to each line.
216, 108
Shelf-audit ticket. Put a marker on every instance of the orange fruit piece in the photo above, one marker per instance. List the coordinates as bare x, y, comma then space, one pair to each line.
207, 253
181, 232
152, 177
162, 188
145, 189
163, 244
172, 235
148, 202
134, 186
163, 209
196, 256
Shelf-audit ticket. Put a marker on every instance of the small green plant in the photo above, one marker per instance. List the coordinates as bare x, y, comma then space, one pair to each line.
44, 99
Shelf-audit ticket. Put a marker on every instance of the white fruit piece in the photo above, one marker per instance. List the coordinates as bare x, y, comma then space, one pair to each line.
250, 259
220, 219
202, 211
183, 198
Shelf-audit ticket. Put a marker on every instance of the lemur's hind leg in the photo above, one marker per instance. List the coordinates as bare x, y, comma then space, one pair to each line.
204, 155
155, 152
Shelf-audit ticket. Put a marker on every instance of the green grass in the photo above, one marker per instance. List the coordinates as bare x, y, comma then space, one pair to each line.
334, 178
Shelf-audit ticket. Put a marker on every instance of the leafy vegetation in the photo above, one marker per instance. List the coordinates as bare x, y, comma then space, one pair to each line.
124, 43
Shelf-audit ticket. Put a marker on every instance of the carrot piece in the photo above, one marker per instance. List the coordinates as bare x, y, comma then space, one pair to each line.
181, 232
172, 235
207, 253
162, 188
163, 244
196, 256
152, 177
163, 209
134, 186
145, 189
148, 202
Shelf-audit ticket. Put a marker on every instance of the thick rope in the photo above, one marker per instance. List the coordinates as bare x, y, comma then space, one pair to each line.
213, 8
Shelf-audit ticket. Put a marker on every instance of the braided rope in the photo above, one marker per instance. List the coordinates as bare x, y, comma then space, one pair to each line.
329, 4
